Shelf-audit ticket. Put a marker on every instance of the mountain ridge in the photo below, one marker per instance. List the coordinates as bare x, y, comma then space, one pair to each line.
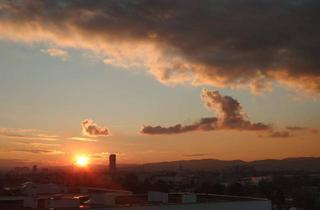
291, 163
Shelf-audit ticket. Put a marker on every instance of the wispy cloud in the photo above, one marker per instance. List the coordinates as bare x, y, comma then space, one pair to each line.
82, 139
297, 129
196, 155
17, 133
38, 144
40, 151
100, 155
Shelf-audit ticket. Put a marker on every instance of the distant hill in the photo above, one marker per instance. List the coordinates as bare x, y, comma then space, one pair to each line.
303, 163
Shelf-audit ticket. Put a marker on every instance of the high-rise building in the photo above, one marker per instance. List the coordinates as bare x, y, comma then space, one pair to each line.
112, 163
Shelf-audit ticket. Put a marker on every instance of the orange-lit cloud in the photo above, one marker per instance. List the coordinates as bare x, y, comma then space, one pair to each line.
220, 43
38, 144
55, 52
101, 155
82, 139
89, 128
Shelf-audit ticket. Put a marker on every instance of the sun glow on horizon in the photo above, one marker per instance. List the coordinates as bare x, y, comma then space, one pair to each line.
82, 160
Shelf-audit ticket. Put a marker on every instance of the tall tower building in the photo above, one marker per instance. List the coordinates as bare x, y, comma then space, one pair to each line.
112, 163
34, 169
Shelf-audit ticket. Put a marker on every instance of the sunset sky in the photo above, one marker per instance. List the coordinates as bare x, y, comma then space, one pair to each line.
158, 80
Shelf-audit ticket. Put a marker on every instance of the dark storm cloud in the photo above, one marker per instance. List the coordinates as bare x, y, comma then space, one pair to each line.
89, 128
218, 42
230, 115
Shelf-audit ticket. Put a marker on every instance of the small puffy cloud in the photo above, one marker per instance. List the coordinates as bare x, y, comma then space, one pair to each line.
56, 52
90, 129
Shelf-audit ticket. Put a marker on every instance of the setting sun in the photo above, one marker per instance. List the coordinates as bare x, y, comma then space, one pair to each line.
82, 161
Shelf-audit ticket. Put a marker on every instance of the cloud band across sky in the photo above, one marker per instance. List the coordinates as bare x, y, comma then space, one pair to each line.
229, 116
223, 43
